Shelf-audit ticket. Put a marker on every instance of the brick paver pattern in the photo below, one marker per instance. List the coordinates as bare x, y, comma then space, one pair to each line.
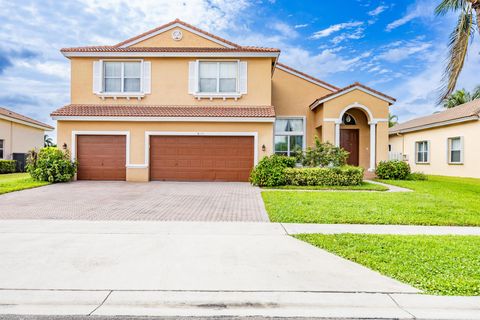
169, 201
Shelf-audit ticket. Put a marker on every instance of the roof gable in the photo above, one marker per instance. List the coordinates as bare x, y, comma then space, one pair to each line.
19, 118
306, 77
191, 36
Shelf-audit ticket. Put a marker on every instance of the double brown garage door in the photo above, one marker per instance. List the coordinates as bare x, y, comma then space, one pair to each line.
181, 158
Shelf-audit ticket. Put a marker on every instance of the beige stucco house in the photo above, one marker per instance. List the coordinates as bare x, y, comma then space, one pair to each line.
179, 103
19, 134
445, 143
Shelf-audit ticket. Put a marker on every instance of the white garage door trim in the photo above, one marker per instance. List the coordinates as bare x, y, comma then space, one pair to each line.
73, 148
211, 134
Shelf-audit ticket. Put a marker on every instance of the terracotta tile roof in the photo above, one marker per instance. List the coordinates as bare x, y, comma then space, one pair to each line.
467, 111
167, 49
86, 110
307, 76
172, 23
17, 116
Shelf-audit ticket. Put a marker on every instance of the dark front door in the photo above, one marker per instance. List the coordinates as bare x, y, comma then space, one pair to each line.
349, 140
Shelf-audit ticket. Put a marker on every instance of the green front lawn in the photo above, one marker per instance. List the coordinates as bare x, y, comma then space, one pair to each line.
365, 186
18, 181
437, 201
442, 265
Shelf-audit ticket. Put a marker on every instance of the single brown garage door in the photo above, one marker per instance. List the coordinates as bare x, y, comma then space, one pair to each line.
201, 158
101, 157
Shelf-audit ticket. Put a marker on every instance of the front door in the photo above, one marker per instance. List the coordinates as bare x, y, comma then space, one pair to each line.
349, 140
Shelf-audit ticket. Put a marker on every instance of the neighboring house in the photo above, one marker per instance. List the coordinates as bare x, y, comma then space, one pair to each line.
179, 103
19, 134
445, 143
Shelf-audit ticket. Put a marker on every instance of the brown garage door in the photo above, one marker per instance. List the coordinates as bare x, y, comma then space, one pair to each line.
201, 158
101, 157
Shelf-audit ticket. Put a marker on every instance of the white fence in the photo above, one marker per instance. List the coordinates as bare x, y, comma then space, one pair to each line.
395, 156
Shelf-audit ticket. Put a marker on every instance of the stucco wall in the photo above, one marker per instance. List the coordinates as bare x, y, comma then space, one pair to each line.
19, 138
137, 136
439, 165
169, 84
292, 96
189, 39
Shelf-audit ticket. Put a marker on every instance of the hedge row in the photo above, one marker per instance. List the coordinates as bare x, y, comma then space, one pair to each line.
8, 166
341, 176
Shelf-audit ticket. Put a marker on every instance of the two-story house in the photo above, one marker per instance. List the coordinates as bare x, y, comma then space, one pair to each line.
179, 103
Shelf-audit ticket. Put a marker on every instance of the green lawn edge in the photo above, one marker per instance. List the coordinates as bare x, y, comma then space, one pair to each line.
12, 182
438, 265
365, 186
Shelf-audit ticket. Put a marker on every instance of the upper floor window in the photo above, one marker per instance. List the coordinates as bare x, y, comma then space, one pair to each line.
289, 135
1, 149
218, 77
122, 77
422, 152
455, 150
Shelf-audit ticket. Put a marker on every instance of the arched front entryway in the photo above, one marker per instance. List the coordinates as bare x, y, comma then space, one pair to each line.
355, 132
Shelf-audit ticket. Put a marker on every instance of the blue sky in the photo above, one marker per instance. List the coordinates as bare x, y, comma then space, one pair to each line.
397, 47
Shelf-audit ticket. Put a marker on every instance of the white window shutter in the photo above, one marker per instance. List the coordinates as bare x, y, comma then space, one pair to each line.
192, 77
242, 78
147, 77
97, 76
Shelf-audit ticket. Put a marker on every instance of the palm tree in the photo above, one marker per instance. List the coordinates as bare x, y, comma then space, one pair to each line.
392, 120
459, 39
460, 97
47, 141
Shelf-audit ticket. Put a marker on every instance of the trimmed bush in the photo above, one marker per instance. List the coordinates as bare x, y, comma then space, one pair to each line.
8, 166
417, 176
393, 170
323, 155
269, 172
51, 164
342, 176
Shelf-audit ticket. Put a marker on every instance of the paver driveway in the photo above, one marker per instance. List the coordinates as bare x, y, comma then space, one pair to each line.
102, 200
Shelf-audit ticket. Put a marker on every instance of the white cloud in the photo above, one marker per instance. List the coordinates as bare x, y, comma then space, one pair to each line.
335, 28
355, 35
284, 29
298, 26
401, 50
378, 10
421, 9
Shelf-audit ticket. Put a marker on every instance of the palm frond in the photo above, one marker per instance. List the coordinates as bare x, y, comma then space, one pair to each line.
476, 93
451, 5
458, 47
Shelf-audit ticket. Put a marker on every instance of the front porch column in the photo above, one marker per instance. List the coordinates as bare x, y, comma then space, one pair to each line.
337, 134
373, 143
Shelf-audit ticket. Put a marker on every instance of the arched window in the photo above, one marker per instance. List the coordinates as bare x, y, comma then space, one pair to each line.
348, 120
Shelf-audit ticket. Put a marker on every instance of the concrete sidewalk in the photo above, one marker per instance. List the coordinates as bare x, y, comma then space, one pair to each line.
195, 269
320, 305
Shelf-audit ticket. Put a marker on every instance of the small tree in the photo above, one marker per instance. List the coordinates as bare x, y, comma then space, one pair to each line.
323, 155
51, 164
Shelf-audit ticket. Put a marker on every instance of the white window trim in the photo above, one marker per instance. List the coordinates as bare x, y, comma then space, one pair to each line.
148, 134
428, 152
449, 150
73, 146
291, 133
138, 95
218, 94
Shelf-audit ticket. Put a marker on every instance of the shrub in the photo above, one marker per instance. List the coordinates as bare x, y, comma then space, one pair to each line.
341, 176
417, 176
323, 155
8, 166
51, 164
393, 170
269, 171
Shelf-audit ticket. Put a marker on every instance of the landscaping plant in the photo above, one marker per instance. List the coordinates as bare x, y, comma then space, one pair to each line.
342, 176
51, 164
8, 166
322, 155
270, 171
393, 170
